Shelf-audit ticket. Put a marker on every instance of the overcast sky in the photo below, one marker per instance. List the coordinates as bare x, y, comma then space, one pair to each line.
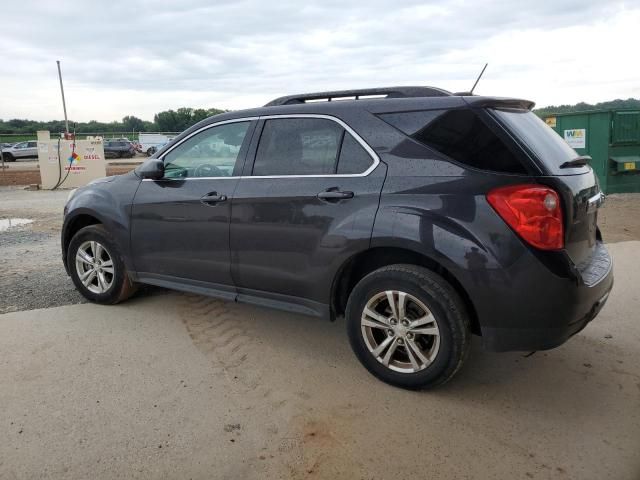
140, 57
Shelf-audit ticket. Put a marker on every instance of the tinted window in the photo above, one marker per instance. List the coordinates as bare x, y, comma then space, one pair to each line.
298, 146
411, 122
210, 153
459, 134
353, 158
31, 144
545, 143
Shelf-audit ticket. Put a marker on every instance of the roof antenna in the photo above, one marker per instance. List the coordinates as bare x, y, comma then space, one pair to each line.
478, 79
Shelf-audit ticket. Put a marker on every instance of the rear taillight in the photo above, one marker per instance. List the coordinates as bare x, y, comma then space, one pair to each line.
533, 211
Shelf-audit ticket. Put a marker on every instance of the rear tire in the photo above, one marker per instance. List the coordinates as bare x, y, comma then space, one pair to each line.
97, 268
420, 339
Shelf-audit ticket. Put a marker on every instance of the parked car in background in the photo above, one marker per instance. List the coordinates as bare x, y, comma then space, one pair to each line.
119, 149
150, 143
152, 150
27, 149
422, 217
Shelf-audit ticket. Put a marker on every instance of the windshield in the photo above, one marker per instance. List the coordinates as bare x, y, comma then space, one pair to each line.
545, 143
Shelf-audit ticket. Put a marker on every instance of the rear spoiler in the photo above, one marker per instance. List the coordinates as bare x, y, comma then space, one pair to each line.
499, 102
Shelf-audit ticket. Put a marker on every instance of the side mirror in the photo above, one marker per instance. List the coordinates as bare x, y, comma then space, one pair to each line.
152, 168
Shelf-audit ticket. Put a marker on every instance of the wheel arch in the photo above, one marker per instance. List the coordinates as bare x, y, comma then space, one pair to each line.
361, 264
72, 226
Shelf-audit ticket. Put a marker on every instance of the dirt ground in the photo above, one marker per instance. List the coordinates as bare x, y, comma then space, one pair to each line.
31, 176
619, 219
183, 386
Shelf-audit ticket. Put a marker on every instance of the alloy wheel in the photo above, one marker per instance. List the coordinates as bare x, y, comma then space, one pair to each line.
94, 266
400, 331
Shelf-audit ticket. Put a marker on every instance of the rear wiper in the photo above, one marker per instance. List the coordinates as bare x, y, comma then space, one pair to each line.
580, 161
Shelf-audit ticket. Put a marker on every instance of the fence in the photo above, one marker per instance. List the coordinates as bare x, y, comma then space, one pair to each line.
23, 137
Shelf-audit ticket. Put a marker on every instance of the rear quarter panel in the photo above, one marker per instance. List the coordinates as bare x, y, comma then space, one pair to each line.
441, 212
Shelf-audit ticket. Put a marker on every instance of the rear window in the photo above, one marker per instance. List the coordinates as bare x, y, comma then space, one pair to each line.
539, 137
460, 135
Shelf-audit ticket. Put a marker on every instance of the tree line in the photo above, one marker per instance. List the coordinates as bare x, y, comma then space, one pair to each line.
583, 107
182, 118
166, 121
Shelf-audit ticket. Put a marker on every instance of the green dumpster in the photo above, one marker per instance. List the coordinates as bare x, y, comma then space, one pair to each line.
611, 138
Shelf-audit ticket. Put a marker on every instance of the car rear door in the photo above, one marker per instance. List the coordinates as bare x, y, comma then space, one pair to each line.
32, 149
180, 223
305, 204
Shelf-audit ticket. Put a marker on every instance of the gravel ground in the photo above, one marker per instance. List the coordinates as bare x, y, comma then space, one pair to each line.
32, 275
32, 272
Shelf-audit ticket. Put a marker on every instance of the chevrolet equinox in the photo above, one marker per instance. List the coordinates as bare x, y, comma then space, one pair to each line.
419, 215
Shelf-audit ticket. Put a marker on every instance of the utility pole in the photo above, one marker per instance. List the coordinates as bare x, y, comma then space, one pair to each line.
64, 104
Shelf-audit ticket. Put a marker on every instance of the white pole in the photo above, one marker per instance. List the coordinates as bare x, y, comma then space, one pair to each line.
64, 104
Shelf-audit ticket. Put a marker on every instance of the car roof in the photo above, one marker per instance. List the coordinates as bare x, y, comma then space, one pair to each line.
399, 99
433, 98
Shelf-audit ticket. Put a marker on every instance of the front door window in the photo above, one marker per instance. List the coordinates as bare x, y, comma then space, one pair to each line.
210, 153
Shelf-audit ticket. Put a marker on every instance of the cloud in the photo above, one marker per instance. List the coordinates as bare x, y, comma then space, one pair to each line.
142, 57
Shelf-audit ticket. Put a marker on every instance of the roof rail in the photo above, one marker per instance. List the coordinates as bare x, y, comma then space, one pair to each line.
386, 92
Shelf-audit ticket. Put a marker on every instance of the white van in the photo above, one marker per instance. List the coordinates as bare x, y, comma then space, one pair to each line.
150, 143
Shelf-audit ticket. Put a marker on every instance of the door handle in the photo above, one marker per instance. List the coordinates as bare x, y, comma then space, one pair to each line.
212, 198
334, 195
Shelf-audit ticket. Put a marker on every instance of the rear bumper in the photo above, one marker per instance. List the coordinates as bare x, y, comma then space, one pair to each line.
570, 307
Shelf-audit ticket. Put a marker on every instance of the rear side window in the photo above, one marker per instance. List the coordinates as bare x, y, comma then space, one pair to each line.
308, 146
460, 135
353, 157
298, 146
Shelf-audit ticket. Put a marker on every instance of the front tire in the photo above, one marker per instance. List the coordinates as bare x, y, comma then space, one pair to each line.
408, 326
8, 157
96, 267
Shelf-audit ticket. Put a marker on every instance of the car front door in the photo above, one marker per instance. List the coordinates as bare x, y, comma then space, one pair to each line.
180, 223
302, 208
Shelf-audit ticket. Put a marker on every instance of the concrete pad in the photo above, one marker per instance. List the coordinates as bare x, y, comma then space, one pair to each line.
182, 386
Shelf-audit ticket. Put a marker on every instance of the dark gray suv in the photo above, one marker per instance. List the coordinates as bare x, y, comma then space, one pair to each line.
419, 215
